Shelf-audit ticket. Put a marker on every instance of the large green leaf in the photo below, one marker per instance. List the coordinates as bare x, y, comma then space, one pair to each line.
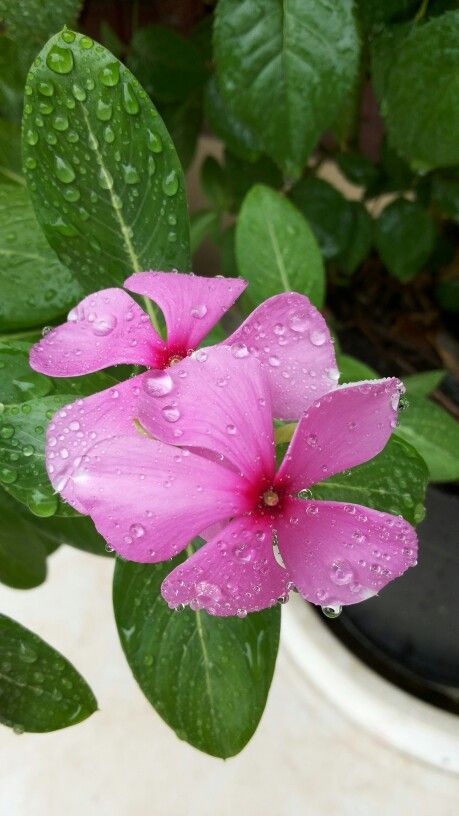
39, 689
231, 130
168, 65
421, 385
22, 552
284, 68
435, 434
420, 96
394, 482
77, 531
18, 383
275, 248
36, 288
33, 21
405, 238
104, 176
207, 677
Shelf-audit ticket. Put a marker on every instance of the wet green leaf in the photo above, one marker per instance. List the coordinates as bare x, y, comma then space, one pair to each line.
421, 385
405, 238
207, 677
435, 434
39, 689
105, 180
275, 248
226, 126
18, 383
353, 370
36, 288
284, 69
33, 21
22, 552
394, 482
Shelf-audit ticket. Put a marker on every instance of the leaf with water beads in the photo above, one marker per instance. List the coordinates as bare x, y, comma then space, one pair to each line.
207, 677
104, 177
39, 689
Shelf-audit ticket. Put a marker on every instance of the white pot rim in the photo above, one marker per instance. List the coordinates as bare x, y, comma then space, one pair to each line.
402, 721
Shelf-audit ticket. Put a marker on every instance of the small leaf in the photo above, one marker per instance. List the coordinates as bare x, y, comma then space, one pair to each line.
242, 175
22, 553
353, 370
275, 248
207, 677
435, 434
39, 689
327, 212
421, 385
105, 180
405, 238
36, 288
284, 69
168, 65
419, 97
359, 239
357, 168
394, 482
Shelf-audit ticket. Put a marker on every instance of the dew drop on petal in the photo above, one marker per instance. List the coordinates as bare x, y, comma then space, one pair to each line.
104, 325
158, 383
317, 338
239, 350
199, 311
171, 413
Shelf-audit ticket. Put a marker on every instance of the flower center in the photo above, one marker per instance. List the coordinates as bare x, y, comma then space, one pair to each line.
176, 358
270, 498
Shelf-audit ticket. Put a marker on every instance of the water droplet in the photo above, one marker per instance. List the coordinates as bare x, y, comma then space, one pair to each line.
86, 43
42, 504
239, 350
105, 179
31, 137
46, 88
130, 174
200, 355
7, 432
63, 170
154, 142
151, 166
341, 572
60, 122
158, 383
104, 110
170, 413
78, 92
136, 530
71, 194
130, 101
60, 60
45, 108
28, 450
26, 653
110, 75
8, 475
332, 611
199, 311
274, 361
311, 440
298, 324
68, 36
30, 163
109, 135
231, 429
317, 338
170, 183
104, 325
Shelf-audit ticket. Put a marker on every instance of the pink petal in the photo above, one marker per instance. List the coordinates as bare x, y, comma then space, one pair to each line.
290, 337
106, 328
75, 428
343, 553
233, 574
341, 430
213, 401
148, 500
191, 305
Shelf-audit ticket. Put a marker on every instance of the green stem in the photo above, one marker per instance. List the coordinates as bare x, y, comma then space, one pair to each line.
421, 11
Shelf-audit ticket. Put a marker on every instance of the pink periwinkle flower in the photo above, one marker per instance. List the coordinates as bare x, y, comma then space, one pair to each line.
286, 333
205, 459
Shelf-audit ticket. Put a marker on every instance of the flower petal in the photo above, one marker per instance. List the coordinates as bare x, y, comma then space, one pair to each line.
148, 500
213, 401
340, 554
106, 328
290, 337
191, 305
75, 428
341, 430
232, 574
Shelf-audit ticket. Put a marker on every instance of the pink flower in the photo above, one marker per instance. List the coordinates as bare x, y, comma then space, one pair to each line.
286, 333
149, 498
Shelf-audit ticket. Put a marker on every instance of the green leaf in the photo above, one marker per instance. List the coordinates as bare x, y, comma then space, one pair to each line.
215, 184
275, 248
353, 370
359, 239
241, 175
22, 443
284, 69
10, 152
372, 12
383, 52
207, 677
231, 130
435, 434
420, 98
168, 65
77, 531
104, 177
357, 168
14, 62
394, 482
202, 224
18, 383
445, 196
33, 21
39, 689
183, 121
36, 288
421, 385
327, 212
22, 553
405, 237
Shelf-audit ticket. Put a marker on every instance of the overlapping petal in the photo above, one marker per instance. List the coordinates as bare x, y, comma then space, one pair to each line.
343, 553
75, 428
232, 574
106, 328
341, 430
290, 337
191, 305
148, 500
215, 401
